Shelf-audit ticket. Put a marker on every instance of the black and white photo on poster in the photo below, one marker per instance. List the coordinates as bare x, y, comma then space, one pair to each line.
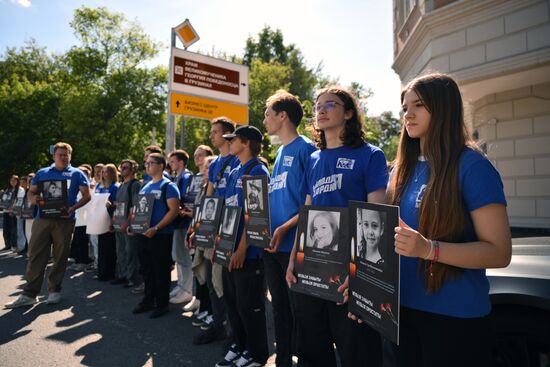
18, 206
209, 209
323, 230
7, 199
141, 214
193, 189
119, 215
207, 228
322, 259
27, 211
374, 267
225, 242
257, 217
54, 201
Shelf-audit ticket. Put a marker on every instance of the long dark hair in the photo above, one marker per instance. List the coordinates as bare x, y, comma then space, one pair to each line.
352, 135
442, 211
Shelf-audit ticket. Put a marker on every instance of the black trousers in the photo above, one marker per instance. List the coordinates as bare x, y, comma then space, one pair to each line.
106, 256
9, 229
79, 245
275, 270
155, 256
428, 339
244, 294
217, 303
320, 323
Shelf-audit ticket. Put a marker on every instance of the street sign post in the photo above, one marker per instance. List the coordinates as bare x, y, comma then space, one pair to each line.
206, 87
186, 33
203, 86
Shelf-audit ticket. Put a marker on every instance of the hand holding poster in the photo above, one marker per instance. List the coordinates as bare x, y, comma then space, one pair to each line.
207, 228
374, 267
142, 211
322, 257
55, 200
256, 204
227, 235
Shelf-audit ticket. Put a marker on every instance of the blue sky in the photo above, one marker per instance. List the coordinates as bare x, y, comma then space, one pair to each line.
352, 38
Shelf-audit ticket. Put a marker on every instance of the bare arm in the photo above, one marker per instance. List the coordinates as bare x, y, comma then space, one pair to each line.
280, 232
209, 189
492, 250
378, 196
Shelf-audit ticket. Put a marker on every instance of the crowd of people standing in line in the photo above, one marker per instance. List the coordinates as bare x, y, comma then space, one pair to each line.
453, 226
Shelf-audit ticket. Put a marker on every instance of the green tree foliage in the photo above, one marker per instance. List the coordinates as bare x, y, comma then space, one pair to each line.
384, 131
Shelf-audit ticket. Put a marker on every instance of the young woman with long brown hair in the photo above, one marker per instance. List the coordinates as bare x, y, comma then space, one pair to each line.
454, 226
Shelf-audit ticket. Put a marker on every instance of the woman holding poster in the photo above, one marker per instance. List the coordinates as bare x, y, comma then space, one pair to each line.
454, 226
344, 168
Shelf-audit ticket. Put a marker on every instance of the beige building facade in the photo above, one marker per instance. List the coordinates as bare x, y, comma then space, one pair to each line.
499, 52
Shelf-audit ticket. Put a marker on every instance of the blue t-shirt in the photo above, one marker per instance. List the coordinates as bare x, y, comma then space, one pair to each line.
111, 190
75, 179
467, 296
215, 167
159, 206
337, 175
287, 186
234, 197
182, 183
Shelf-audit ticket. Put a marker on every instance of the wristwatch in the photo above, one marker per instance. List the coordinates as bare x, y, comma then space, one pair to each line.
156, 228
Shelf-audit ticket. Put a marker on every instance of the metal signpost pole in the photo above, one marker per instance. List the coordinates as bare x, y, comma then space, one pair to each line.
171, 119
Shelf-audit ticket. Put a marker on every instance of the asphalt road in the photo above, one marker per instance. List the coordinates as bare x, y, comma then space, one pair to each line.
93, 326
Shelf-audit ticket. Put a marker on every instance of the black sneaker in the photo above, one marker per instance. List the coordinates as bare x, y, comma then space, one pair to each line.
118, 281
231, 356
210, 335
246, 360
141, 308
198, 319
158, 312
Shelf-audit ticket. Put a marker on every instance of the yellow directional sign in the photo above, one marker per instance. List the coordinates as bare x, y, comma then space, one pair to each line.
186, 33
206, 108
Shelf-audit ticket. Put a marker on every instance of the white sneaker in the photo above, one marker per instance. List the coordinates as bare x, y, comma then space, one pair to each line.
53, 297
183, 297
175, 291
21, 301
192, 306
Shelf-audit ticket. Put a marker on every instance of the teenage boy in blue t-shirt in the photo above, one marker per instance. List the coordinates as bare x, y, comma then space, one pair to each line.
155, 245
283, 114
344, 168
52, 235
243, 279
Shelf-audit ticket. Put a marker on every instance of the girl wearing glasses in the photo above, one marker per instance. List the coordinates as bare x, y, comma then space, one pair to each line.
344, 168
454, 226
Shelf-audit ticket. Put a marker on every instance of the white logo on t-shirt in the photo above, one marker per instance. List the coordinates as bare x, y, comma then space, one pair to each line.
157, 193
287, 160
278, 182
420, 196
345, 163
239, 184
233, 200
327, 184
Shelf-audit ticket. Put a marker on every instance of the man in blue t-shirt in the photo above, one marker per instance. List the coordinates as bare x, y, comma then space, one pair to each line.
283, 114
52, 235
155, 245
243, 279
180, 253
217, 181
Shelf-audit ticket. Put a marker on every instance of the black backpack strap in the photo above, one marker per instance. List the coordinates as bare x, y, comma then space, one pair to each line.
252, 165
222, 170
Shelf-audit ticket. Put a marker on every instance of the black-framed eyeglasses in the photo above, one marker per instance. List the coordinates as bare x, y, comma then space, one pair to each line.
147, 164
327, 106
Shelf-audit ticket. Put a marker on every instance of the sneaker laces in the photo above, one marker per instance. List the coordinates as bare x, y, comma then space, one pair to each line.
244, 360
232, 353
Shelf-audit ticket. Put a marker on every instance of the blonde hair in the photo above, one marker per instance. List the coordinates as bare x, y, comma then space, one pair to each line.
112, 173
